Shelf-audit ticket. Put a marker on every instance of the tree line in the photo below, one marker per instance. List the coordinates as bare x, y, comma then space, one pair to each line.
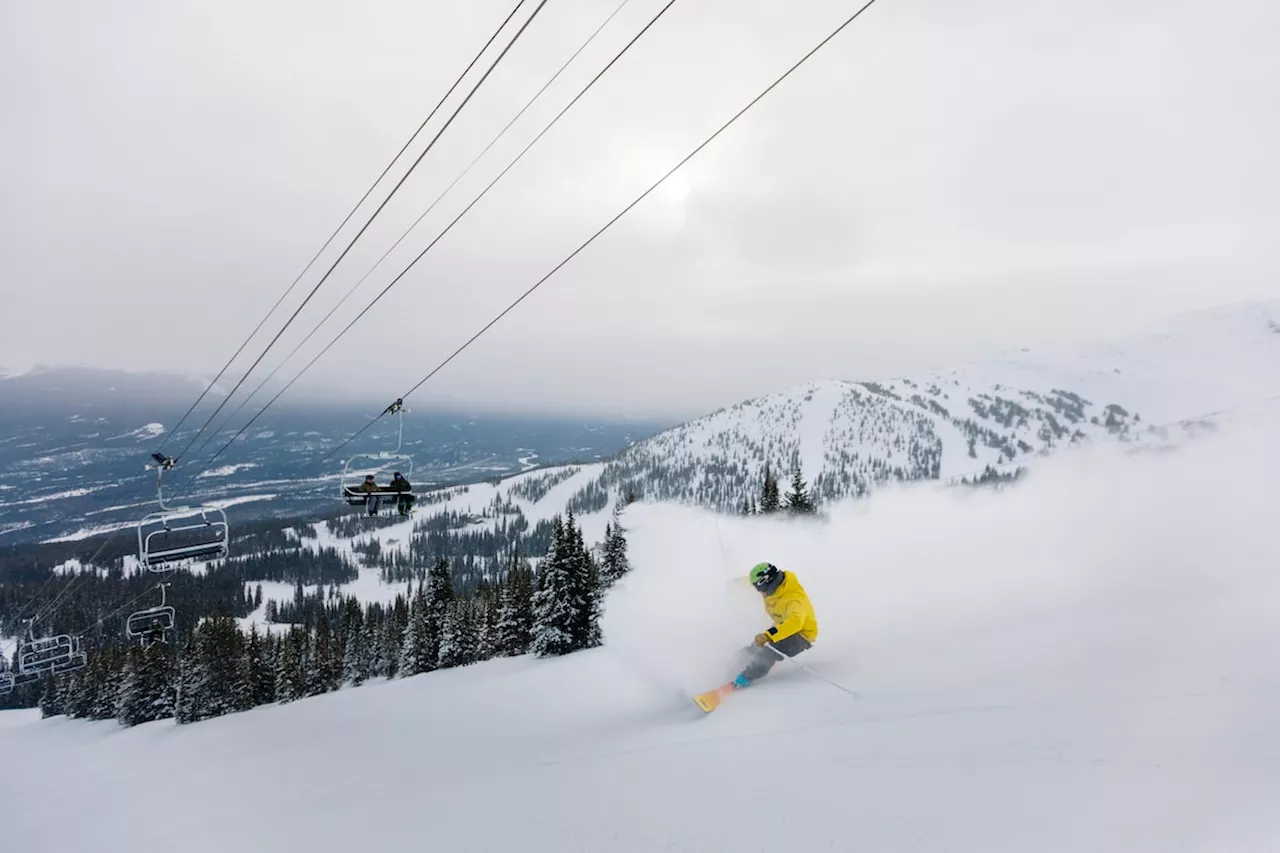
217, 668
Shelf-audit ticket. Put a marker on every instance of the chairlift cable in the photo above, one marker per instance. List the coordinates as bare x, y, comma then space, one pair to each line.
337, 230
299, 375
624, 211
437, 239
360, 233
407, 231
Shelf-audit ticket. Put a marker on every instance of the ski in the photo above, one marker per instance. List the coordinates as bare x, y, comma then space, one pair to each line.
711, 700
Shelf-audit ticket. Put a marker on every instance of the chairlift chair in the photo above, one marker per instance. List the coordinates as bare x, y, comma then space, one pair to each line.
173, 535
361, 464
47, 654
147, 621
79, 659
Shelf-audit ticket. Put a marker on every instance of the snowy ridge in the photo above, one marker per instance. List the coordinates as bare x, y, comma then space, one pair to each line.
847, 437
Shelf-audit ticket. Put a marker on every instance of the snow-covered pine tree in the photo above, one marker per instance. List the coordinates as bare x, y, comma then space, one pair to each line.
487, 616
439, 585
192, 682
107, 665
769, 499
51, 704
458, 637
798, 500
262, 680
587, 589
289, 662
555, 615
320, 673
146, 686
515, 609
613, 563
416, 655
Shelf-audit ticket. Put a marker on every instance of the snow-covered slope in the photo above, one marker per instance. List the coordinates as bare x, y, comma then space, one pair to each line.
1081, 663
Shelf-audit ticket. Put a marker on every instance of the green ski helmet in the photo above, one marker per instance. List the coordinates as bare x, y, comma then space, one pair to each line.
765, 577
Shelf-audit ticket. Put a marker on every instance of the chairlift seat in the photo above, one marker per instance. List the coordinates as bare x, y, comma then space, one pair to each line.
144, 622
182, 534
79, 660
46, 654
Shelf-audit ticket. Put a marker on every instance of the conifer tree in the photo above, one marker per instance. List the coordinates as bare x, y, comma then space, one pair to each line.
146, 686
515, 610
769, 500
289, 662
261, 672
487, 617
51, 700
555, 615
191, 684
439, 585
416, 653
129, 701
587, 590
798, 500
613, 563
355, 658
321, 672
458, 635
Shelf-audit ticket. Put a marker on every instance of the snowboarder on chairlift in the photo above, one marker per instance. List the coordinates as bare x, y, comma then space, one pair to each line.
795, 626
404, 500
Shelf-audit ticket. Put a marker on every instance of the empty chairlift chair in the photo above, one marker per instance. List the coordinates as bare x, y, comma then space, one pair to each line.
56, 654
173, 535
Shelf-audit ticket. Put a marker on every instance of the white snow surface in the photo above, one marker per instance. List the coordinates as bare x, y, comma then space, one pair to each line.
151, 430
1081, 663
226, 470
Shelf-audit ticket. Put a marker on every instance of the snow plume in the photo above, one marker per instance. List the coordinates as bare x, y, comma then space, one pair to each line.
1093, 570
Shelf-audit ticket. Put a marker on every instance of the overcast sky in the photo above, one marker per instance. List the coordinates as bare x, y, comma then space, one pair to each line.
944, 181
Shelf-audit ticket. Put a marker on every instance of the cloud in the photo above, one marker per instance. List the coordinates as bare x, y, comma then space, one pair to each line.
1072, 170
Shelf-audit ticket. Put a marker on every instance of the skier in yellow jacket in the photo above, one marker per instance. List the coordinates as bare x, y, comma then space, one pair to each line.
794, 629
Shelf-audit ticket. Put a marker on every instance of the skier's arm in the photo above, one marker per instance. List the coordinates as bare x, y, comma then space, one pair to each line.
792, 622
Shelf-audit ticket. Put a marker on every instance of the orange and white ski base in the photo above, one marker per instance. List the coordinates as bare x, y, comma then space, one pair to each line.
711, 700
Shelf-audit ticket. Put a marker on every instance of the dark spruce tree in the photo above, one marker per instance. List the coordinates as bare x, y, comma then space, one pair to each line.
770, 501
439, 595
799, 502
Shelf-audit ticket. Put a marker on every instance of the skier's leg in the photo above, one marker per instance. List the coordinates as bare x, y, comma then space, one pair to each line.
766, 658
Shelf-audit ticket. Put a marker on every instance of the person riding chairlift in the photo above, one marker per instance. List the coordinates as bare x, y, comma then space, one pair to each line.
373, 500
404, 500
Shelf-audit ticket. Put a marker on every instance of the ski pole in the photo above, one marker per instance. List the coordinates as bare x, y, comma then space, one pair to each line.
855, 694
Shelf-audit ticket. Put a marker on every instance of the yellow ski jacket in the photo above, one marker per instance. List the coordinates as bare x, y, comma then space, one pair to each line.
791, 612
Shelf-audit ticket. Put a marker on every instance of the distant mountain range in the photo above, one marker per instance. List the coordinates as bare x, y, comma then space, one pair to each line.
846, 437
68, 468
74, 442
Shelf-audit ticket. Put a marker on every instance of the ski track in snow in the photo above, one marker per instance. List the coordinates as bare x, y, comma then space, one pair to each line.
1029, 679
